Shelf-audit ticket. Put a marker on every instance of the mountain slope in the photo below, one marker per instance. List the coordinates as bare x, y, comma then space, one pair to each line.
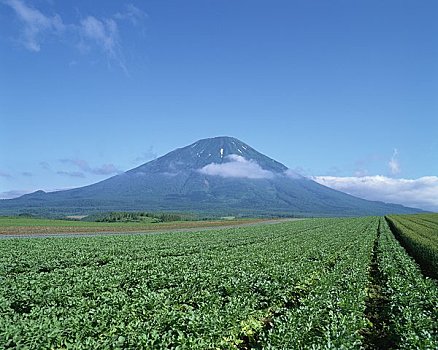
219, 175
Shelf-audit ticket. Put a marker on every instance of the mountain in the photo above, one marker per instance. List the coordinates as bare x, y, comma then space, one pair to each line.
220, 175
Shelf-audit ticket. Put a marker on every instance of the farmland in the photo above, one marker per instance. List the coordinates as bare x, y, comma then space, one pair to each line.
315, 283
28, 226
419, 235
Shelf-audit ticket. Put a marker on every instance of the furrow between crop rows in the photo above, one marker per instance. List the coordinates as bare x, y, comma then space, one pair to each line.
317, 283
377, 335
421, 246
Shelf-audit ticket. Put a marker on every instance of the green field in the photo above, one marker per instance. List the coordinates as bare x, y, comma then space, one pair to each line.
419, 235
14, 221
27, 225
316, 283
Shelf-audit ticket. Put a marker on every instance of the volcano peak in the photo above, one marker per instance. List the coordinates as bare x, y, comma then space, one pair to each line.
216, 175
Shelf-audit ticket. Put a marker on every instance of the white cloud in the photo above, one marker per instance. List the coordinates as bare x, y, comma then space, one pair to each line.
90, 32
132, 14
5, 175
105, 34
147, 156
35, 24
71, 173
361, 173
105, 169
237, 166
420, 193
13, 194
394, 164
293, 174
45, 165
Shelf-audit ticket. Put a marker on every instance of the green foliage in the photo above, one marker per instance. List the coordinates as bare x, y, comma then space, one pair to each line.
96, 220
413, 317
419, 235
132, 216
329, 309
293, 285
122, 217
36, 222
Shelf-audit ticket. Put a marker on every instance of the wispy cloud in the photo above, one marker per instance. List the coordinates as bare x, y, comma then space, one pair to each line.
420, 193
45, 165
13, 194
105, 34
300, 171
105, 169
361, 172
333, 171
294, 173
71, 173
362, 164
5, 175
80, 163
35, 24
394, 164
148, 155
88, 33
132, 14
237, 167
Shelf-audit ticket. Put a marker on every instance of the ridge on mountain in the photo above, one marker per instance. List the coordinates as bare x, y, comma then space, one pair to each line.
219, 175
206, 151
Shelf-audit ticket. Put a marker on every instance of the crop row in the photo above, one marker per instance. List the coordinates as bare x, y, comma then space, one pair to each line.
419, 235
413, 300
200, 290
303, 284
332, 314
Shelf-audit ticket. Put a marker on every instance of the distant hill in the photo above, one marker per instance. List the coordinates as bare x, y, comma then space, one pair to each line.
220, 175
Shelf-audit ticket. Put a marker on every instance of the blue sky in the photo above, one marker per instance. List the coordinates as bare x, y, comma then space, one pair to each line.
342, 91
